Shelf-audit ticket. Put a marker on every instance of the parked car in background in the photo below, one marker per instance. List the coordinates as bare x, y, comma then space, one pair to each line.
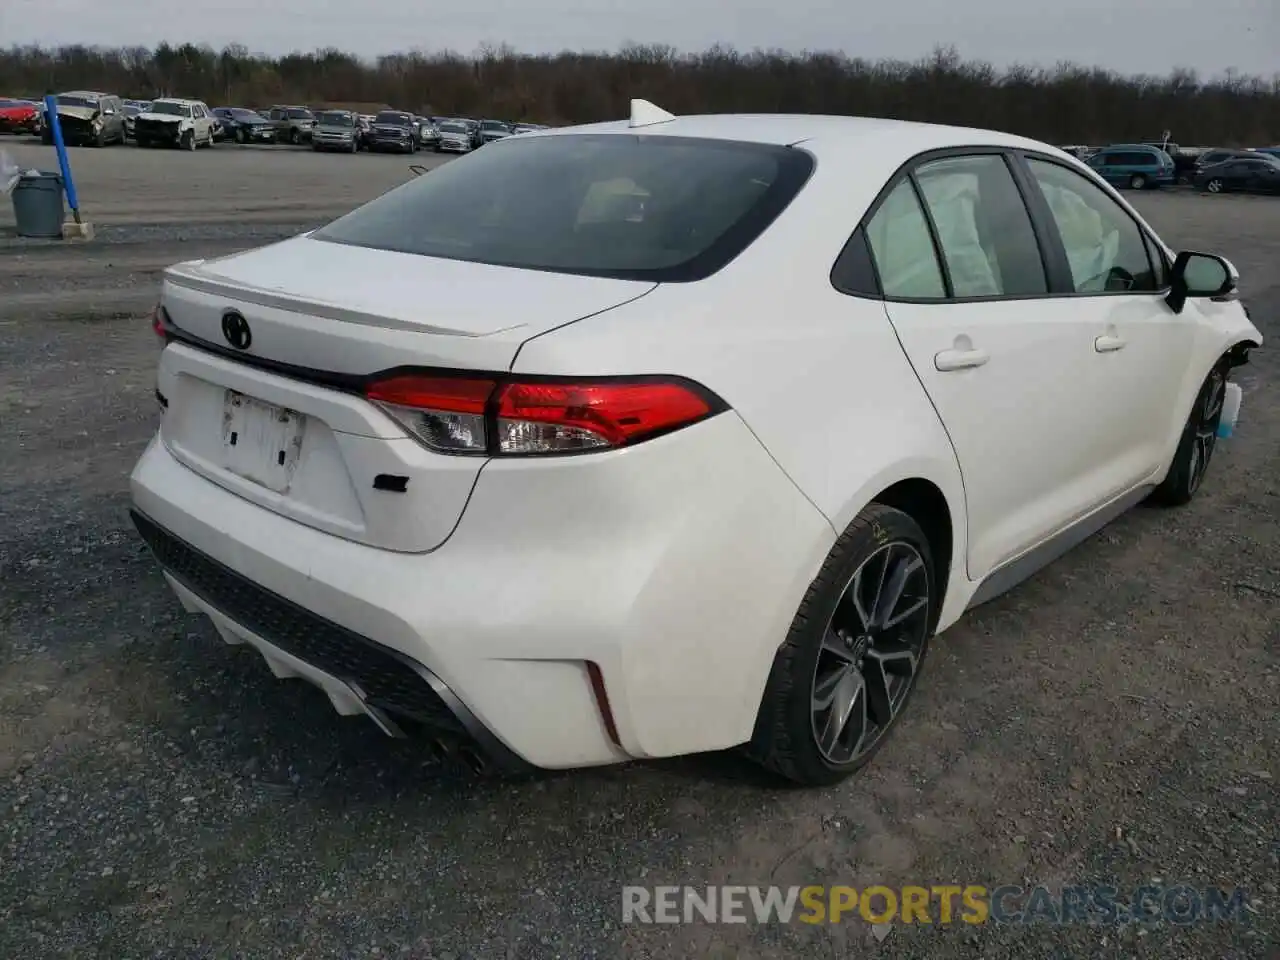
1079, 151
131, 112
1137, 166
473, 130
88, 118
707, 472
1218, 155
428, 135
172, 122
18, 116
336, 130
527, 128
1245, 174
393, 130
244, 126
293, 124
455, 137
364, 130
1271, 151
491, 130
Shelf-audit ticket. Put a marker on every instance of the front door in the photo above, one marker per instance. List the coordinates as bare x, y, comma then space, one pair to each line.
1142, 348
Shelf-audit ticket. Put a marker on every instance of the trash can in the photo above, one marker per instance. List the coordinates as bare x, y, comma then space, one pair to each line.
38, 206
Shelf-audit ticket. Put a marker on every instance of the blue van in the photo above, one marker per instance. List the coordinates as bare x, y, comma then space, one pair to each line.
1134, 165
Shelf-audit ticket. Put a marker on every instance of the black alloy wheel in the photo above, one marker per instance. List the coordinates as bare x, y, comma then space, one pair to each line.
1198, 442
854, 652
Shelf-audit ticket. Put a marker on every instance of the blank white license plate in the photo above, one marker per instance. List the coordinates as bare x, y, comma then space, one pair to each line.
261, 442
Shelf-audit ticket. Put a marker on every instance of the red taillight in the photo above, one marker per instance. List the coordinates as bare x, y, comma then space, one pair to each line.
453, 394
482, 416
160, 322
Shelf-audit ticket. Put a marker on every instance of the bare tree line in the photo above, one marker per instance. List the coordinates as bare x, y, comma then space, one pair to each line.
1066, 103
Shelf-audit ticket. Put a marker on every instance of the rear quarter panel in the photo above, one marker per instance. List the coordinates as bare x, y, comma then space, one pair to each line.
819, 377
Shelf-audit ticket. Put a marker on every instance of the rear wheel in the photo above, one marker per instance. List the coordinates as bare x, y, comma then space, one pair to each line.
853, 654
295, 137
188, 141
240, 137
1214, 186
1195, 447
1137, 182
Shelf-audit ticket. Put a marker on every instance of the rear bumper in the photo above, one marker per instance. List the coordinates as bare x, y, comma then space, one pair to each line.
675, 568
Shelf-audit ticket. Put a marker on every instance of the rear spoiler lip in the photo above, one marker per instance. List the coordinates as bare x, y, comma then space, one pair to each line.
191, 277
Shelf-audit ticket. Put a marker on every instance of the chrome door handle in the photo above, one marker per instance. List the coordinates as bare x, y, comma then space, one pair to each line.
960, 359
1109, 343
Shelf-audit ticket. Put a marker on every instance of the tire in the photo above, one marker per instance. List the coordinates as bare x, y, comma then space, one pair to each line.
99, 139
188, 141
355, 145
791, 721
295, 137
1196, 445
209, 141
1214, 186
240, 135
1137, 182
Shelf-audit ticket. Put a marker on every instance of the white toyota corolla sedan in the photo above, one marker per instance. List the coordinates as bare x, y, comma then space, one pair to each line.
672, 435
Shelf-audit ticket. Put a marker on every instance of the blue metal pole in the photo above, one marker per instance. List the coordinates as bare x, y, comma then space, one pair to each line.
60, 146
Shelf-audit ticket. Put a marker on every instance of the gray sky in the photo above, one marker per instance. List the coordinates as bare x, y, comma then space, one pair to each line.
1134, 36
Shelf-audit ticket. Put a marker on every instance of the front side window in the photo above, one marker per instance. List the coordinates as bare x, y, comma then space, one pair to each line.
632, 207
297, 114
1104, 245
903, 249
983, 227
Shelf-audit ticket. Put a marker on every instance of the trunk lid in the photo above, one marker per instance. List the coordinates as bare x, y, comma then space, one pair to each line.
320, 454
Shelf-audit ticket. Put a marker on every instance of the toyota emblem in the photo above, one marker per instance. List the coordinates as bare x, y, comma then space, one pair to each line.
236, 329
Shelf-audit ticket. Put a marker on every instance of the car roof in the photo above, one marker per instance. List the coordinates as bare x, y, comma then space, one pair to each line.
85, 93
901, 137
178, 100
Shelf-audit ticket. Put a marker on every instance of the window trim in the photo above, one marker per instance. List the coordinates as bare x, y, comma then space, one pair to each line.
1149, 240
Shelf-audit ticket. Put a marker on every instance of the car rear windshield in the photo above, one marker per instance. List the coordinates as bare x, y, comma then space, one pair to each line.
660, 208
395, 119
331, 119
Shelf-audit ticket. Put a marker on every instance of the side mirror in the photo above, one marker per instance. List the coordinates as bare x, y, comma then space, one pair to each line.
1200, 275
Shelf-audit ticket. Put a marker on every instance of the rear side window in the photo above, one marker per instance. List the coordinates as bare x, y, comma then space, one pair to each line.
899, 238
666, 209
983, 227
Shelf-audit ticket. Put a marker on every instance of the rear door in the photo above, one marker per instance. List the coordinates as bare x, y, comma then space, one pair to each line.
1011, 370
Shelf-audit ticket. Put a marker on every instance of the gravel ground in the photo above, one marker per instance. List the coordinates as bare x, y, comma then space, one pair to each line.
1114, 720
